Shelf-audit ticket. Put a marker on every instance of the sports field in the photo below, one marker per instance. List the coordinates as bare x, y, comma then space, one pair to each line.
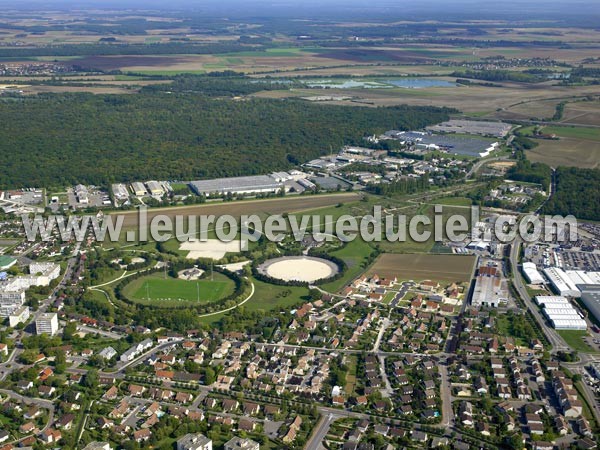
156, 290
418, 267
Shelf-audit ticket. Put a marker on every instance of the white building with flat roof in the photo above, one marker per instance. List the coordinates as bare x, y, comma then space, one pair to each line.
120, 191
10, 300
561, 283
531, 273
238, 443
194, 441
20, 315
551, 301
47, 323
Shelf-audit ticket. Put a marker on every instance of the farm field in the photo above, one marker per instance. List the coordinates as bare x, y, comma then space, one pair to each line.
417, 267
576, 146
585, 113
506, 101
173, 292
238, 208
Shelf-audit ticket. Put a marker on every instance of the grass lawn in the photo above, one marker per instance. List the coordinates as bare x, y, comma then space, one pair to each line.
351, 375
354, 254
453, 201
388, 297
175, 292
574, 339
269, 297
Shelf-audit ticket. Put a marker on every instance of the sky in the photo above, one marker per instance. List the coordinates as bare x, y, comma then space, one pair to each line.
421, 9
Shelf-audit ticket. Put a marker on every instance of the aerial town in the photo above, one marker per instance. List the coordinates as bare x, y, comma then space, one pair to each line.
461, 312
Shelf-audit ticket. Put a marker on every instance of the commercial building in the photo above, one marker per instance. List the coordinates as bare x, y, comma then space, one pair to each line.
47, 323
561, 283
532, 275
238, 443
257, 184
194, 442
20, 315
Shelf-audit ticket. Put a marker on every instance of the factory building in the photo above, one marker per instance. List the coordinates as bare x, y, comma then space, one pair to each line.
551, 301
561, 283
258, 184
139, 190
120, 191
590, 297
82, 194
155, 188
489, 289
532, 275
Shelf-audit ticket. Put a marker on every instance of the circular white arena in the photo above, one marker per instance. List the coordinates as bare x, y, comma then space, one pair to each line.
307, 269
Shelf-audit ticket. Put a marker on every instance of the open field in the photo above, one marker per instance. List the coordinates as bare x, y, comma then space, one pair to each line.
269, 297
176, 292
584, 113
417, 267
246, 207
579, 147
574, 338
508, 101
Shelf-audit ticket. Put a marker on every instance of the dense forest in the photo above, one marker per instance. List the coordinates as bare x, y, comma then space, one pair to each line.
55, 140
220, 84
577, 193
530, 172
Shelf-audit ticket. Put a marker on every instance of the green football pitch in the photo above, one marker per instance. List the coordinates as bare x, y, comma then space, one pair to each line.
160, 291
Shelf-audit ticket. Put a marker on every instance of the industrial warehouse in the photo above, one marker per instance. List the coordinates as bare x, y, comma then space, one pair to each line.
561, 313
561, 282
248, 185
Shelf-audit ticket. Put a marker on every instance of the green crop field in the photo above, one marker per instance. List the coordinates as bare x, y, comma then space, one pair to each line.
174, 292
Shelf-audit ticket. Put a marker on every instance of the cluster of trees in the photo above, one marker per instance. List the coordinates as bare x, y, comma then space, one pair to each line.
401, 186
220, 84
64, 139
530, 172
577, 193
500, 75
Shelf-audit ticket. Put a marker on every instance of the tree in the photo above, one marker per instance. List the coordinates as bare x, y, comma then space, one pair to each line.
91, 379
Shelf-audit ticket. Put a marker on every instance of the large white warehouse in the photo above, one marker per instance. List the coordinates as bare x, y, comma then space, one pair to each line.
561, 282
531, 273
561, 313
